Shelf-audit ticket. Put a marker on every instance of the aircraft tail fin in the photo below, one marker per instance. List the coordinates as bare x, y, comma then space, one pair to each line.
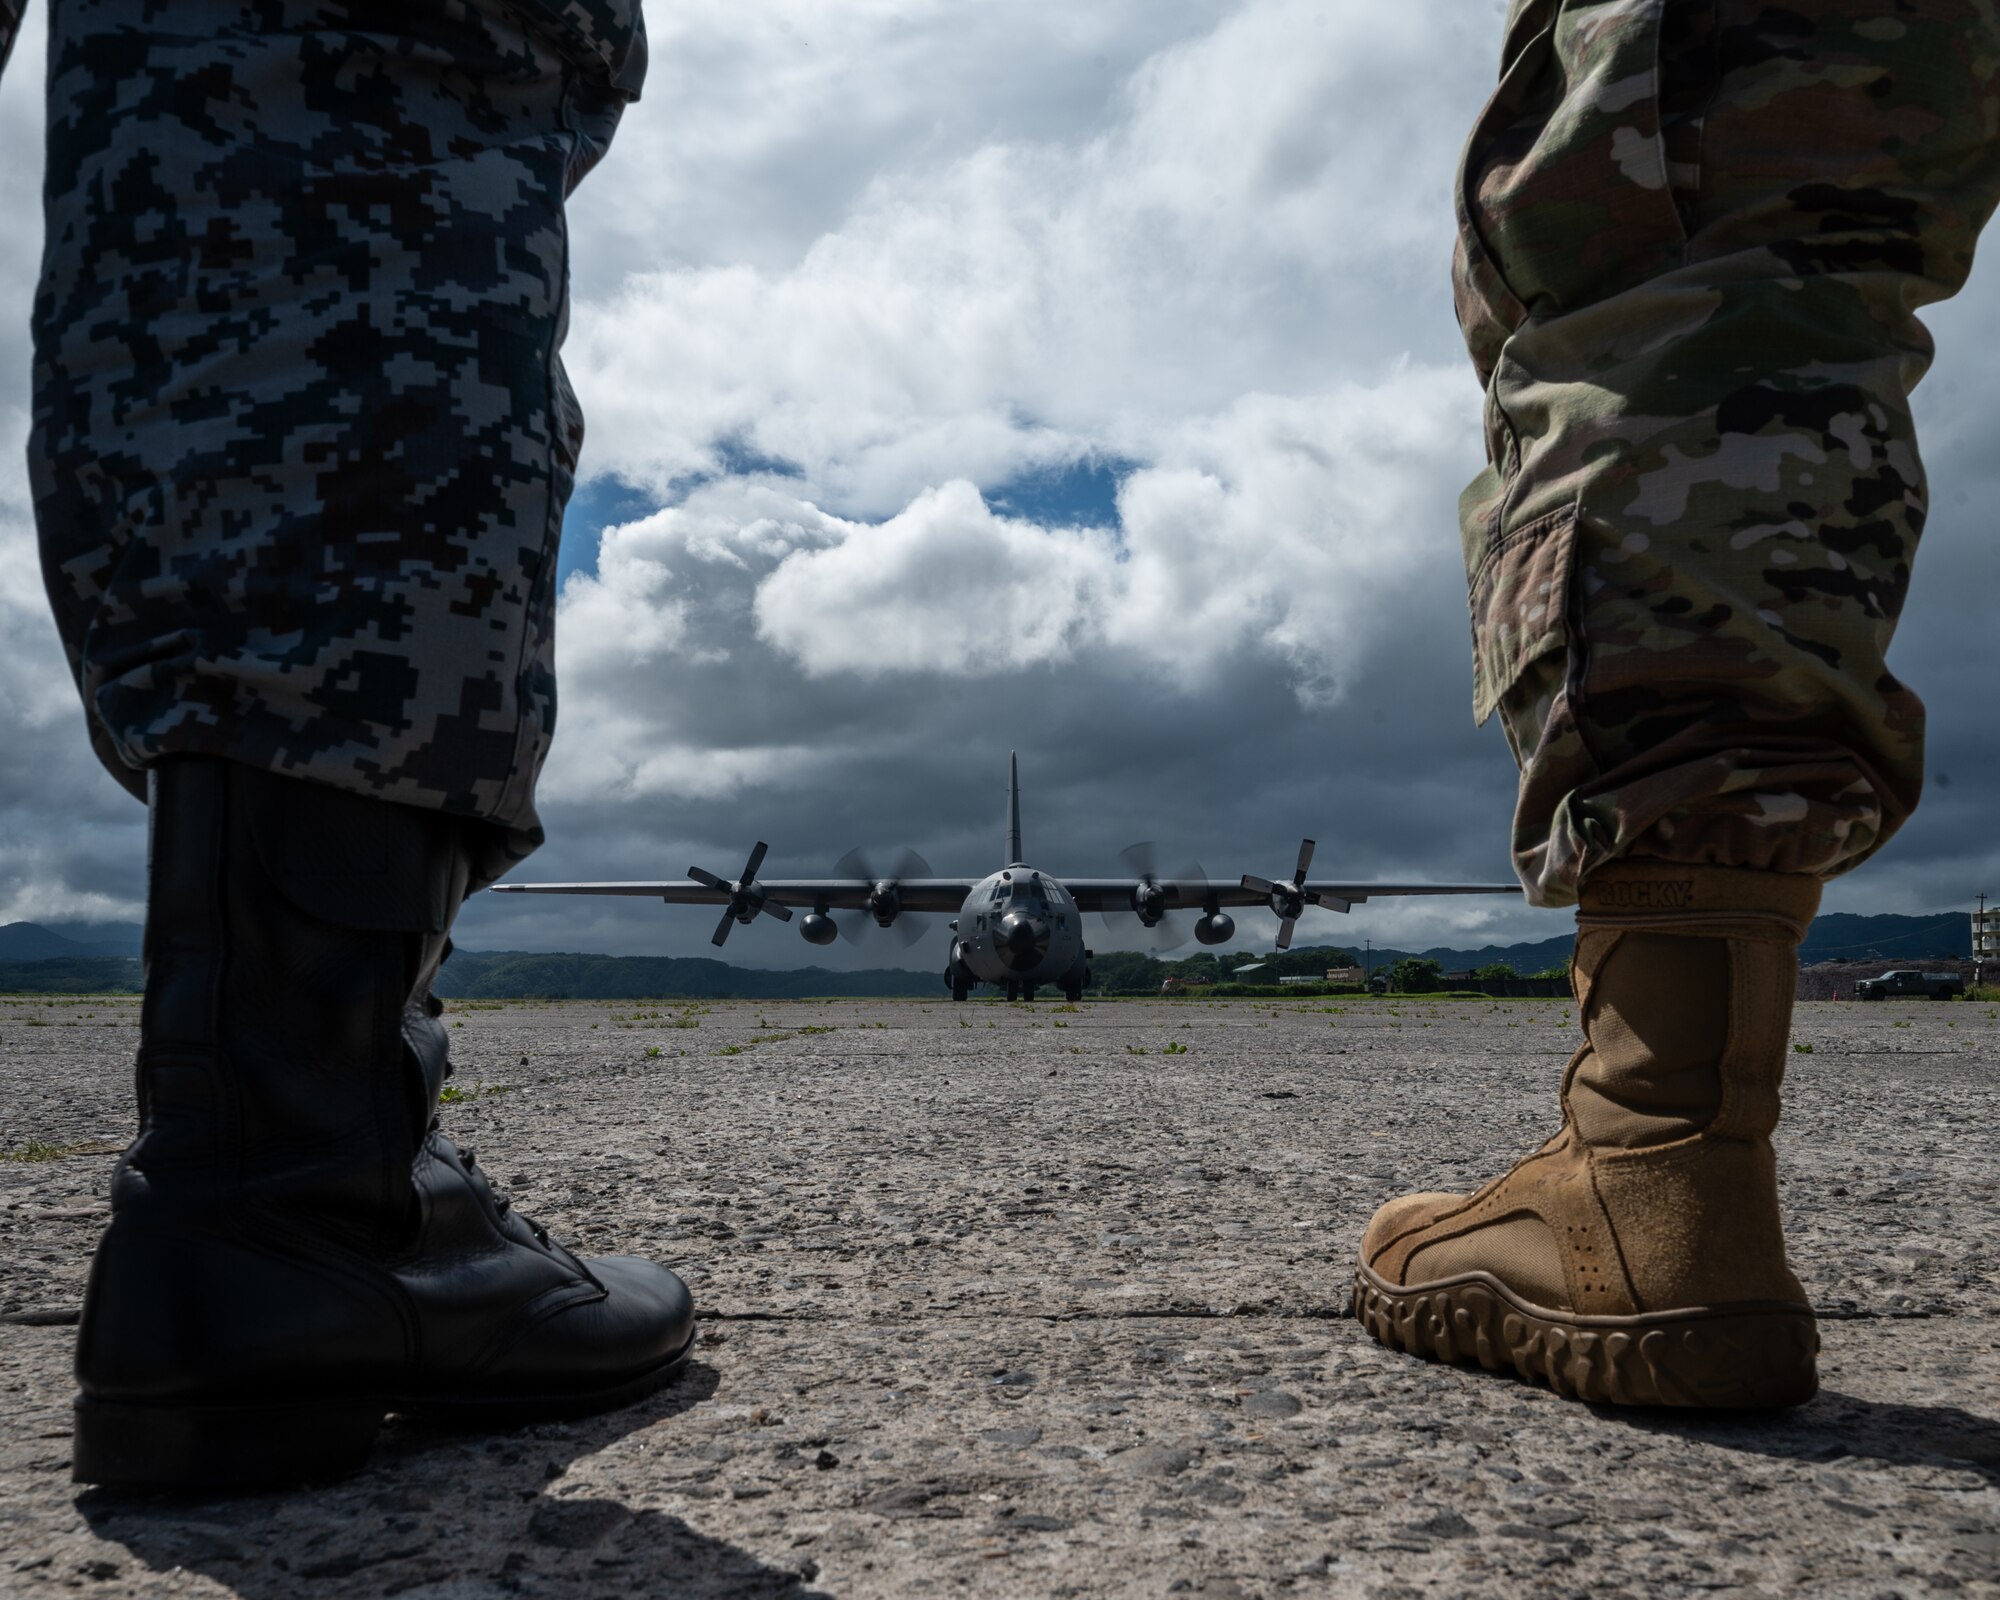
1013, 810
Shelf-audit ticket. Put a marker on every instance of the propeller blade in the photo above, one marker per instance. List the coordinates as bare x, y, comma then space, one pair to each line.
756, 860
861, 929
1142, 860
772, 909
722, 928
854, 925
854, 865
710, 880
1190, 889
907, 928
1191, 874
1122, 922
1290, 896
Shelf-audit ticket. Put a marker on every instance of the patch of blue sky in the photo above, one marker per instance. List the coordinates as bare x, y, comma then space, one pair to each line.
597, 504
1075, 494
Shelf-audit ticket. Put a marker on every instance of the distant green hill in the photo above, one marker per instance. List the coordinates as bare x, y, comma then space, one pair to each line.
1837, 936
29, 941
1843, 936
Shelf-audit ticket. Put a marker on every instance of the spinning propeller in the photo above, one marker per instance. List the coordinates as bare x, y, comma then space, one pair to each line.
885, 900
747, 896
1288, 900
1155, 896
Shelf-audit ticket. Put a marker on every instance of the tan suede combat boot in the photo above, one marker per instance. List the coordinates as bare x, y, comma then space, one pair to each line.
1637, 1257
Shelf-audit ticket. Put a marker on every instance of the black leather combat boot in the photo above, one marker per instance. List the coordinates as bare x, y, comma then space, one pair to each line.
295, 1250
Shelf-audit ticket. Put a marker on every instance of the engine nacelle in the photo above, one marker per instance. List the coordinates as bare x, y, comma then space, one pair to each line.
1149, 901
1215, 928
816, 927
885, 904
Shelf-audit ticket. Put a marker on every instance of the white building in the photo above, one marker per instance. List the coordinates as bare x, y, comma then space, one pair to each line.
1986, 935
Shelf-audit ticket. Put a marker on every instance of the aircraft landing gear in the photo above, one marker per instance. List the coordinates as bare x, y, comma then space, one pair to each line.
958, 976
1020, 991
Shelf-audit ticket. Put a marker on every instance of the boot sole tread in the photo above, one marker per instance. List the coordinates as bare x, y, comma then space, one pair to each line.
1749, 1356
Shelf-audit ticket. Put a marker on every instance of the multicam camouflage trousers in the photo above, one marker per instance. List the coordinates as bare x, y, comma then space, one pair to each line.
302, 439
1693, 239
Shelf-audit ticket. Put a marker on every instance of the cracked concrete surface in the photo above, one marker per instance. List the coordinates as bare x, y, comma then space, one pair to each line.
1037, 1301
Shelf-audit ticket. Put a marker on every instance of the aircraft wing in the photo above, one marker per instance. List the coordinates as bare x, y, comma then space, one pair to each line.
836, 894
1115, 894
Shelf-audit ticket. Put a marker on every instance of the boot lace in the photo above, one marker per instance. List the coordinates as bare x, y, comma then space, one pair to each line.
468, 1158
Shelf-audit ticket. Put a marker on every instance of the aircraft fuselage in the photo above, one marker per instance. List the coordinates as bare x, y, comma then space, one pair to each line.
1019, 927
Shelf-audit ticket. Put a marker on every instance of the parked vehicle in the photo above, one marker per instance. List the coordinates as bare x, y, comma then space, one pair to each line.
1911, 983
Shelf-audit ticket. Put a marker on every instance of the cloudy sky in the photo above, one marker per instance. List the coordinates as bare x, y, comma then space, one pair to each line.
968, 375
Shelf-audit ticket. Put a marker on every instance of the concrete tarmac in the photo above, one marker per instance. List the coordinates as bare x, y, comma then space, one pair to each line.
1033, 1300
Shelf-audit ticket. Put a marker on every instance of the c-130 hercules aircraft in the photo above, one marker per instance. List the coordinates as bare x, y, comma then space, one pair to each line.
1017, 928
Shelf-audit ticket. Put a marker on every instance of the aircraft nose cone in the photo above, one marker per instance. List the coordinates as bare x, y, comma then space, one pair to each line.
1023, 941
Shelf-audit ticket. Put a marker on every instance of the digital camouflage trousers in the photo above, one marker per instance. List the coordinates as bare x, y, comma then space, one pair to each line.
302, 439
1694, 236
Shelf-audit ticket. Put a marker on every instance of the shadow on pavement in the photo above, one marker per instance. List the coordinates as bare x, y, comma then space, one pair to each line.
1834, 1425
468, 1512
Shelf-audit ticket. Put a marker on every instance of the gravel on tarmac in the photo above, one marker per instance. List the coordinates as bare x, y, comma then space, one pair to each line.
1052, 1300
